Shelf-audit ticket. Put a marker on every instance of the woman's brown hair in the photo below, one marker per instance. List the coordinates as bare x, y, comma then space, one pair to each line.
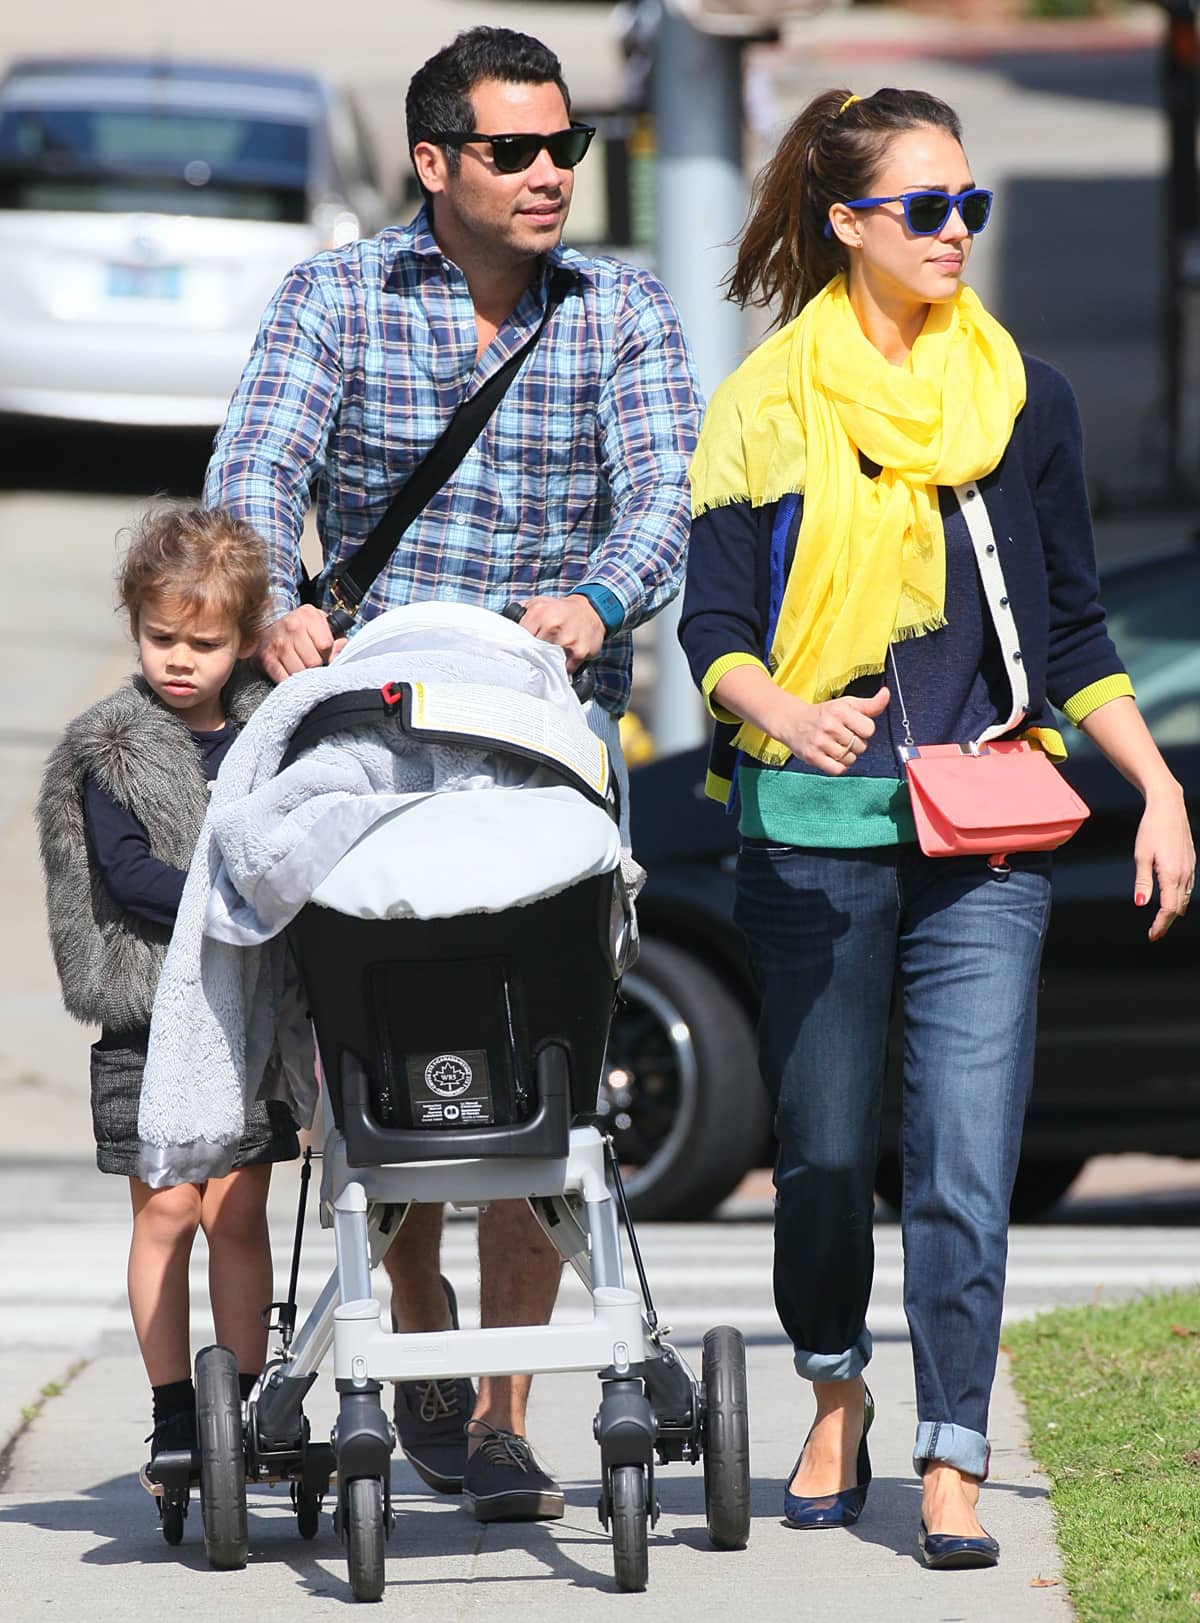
202, 559
830, 154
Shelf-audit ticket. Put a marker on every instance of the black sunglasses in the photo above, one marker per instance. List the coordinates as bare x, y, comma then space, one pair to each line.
512, 153
925, 213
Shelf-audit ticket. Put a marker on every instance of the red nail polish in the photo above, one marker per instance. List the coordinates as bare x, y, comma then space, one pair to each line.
1139, 900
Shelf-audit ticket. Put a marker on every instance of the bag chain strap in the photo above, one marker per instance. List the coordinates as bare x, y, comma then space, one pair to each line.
909, 741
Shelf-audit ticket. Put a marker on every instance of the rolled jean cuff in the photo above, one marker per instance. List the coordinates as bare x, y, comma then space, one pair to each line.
840, 1366
946, 1444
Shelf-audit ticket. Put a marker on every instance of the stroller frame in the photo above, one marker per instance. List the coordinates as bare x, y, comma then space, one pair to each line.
652, 1406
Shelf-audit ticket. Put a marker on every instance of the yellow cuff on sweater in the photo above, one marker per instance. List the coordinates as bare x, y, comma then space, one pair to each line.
719, 668
1080, 705
1049, 740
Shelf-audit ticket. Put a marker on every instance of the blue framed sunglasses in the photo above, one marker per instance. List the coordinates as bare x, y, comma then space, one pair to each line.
925, 213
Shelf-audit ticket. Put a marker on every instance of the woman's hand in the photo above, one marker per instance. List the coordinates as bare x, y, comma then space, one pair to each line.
829, 736
1164, 849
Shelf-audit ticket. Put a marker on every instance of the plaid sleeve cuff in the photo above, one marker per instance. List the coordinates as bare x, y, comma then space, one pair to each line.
719, 668
1080, 705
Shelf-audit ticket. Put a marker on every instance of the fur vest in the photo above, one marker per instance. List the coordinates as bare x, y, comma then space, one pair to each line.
143, 755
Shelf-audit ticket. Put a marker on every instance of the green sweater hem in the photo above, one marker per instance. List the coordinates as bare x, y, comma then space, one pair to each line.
839, 814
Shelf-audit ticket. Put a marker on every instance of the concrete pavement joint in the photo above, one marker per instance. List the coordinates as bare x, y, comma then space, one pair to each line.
28, 1414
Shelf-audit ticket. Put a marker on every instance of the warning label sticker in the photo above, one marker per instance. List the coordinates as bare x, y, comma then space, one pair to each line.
451, 1089
507, 717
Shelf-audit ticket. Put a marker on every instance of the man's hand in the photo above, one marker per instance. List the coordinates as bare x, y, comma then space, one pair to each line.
298, 641
571, 622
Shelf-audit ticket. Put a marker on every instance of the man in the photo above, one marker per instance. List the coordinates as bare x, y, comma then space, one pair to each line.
573, 501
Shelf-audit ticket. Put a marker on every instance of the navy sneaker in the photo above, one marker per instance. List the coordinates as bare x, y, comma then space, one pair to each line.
431, 1421
504, 1483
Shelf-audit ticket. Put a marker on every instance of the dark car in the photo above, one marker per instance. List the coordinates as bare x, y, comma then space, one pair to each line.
1118, 1060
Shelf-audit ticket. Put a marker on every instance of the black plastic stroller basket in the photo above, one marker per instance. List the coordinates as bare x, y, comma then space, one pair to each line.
482, 1034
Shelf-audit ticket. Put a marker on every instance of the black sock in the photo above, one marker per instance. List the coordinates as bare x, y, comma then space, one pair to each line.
246, 1384
175, 1397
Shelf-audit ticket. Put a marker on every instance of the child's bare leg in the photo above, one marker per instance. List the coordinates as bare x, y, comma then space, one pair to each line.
240, 1278
164, 1228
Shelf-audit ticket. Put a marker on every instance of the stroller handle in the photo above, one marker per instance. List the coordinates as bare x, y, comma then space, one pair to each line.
583, 681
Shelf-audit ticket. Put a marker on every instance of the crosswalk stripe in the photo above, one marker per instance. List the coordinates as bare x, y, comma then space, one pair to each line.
62, 1282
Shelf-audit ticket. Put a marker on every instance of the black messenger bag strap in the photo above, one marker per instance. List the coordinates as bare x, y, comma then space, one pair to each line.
341, 592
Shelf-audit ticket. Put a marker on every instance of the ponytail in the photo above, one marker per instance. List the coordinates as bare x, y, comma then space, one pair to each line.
829, 154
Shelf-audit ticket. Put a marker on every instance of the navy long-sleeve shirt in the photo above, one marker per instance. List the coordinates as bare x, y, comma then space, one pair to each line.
136, 879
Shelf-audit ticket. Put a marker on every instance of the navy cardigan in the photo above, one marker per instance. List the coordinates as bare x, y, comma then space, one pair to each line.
1038, 506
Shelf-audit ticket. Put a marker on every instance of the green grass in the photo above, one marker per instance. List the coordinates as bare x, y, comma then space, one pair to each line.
30, 1413
1113, 1398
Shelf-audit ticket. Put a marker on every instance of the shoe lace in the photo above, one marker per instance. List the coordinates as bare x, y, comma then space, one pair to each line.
438, 1400
502, 1447
174, 1428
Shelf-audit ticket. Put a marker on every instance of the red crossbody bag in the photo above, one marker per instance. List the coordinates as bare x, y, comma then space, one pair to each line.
993, 796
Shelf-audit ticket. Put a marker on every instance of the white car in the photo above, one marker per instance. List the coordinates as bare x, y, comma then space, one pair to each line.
147, 213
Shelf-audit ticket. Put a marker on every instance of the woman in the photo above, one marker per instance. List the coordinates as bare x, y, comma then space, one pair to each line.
833, 600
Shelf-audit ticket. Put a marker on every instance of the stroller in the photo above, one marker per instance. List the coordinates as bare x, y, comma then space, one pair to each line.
460, 964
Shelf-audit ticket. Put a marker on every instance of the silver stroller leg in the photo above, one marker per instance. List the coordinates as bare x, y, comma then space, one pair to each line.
285, 1385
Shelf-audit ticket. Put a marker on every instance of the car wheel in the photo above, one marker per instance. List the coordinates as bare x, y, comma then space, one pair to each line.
1041, 1181
681, 1093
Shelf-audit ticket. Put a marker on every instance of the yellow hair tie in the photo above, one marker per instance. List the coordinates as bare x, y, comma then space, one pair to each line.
849, 102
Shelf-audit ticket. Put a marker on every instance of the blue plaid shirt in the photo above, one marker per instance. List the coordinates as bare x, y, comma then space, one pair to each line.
578, 482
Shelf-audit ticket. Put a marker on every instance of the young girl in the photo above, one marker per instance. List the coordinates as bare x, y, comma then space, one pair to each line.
120, 809
832, 597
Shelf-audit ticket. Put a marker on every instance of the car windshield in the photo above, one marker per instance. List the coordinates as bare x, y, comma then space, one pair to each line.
1153, 621
170, 160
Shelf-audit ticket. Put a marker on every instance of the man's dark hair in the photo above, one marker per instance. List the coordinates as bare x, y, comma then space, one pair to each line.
439, 94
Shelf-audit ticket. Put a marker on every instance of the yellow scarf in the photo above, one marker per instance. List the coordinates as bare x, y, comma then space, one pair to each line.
870, 561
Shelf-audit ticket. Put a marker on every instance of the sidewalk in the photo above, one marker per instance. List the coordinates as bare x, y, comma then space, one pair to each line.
70, 1501
72, 1505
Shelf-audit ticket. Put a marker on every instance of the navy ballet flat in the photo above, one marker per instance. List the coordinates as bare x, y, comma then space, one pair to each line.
832, 1509
949, 1550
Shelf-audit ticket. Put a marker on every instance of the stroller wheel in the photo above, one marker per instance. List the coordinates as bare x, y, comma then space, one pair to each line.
726, 1438
308, 1512
629, 1521
222, 1458
172, 1510
365, 1536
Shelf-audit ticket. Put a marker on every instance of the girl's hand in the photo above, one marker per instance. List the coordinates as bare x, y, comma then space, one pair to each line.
1164, 848
829, 736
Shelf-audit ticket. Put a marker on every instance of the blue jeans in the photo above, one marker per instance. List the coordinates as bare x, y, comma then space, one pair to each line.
833, 937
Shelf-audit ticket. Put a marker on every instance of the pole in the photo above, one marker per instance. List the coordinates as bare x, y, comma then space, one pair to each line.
701, 202
1182, 217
